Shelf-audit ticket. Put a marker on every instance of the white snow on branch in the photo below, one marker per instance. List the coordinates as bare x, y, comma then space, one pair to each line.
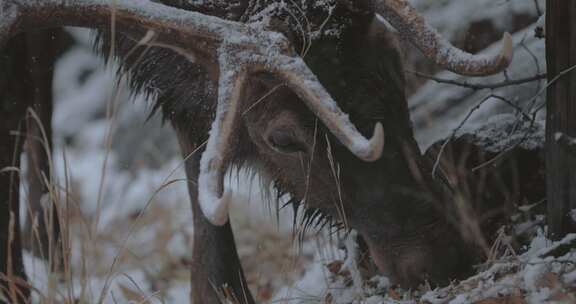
437, 109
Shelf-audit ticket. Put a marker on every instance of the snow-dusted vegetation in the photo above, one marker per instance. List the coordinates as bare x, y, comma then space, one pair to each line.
129, 224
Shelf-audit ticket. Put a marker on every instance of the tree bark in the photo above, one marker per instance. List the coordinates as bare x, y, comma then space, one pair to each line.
14, 93
44, 241
561, 115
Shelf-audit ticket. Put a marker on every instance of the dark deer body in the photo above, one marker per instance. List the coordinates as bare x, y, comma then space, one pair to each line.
400, 211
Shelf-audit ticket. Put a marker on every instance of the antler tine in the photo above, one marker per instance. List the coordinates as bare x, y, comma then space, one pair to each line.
213, 201
413, 27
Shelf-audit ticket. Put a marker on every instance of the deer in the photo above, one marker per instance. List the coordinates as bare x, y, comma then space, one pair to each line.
318, 110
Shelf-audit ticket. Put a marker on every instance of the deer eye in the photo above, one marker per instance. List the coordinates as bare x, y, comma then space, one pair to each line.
285, 141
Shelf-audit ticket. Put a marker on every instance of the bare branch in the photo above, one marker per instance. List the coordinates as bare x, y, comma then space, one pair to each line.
480, 86
456, 130
414, 28
550, 82
538, 8
512, 105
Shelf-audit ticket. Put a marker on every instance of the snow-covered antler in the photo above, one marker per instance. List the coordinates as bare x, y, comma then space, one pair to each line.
233, 72
8, 20
230, 50
414, 28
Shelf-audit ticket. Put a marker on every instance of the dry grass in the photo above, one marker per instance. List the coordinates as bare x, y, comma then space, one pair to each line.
101, 260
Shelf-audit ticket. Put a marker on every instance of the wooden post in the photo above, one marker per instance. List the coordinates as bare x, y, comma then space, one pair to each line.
561, 115
14, 92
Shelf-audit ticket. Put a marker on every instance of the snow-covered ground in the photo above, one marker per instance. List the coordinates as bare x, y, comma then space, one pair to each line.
130, 222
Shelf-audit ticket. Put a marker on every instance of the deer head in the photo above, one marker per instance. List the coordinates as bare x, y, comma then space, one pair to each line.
274, 108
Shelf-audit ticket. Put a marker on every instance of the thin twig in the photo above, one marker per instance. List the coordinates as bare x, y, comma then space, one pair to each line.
455, 132
511, 104
538, 8
467, 117
551, 82
480, 86
532, 121
536, 64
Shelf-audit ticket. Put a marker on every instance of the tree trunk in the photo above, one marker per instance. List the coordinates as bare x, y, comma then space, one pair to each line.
14, 93
561, 115
43, 240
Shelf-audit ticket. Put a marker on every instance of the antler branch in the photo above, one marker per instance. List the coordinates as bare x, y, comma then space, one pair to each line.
212, 165
414, 28
198, 33
213, 42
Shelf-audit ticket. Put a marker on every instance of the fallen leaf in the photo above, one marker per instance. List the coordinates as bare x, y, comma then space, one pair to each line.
393, 294
334, 267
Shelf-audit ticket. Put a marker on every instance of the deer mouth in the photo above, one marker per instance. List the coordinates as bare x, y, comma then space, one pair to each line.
434, 255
